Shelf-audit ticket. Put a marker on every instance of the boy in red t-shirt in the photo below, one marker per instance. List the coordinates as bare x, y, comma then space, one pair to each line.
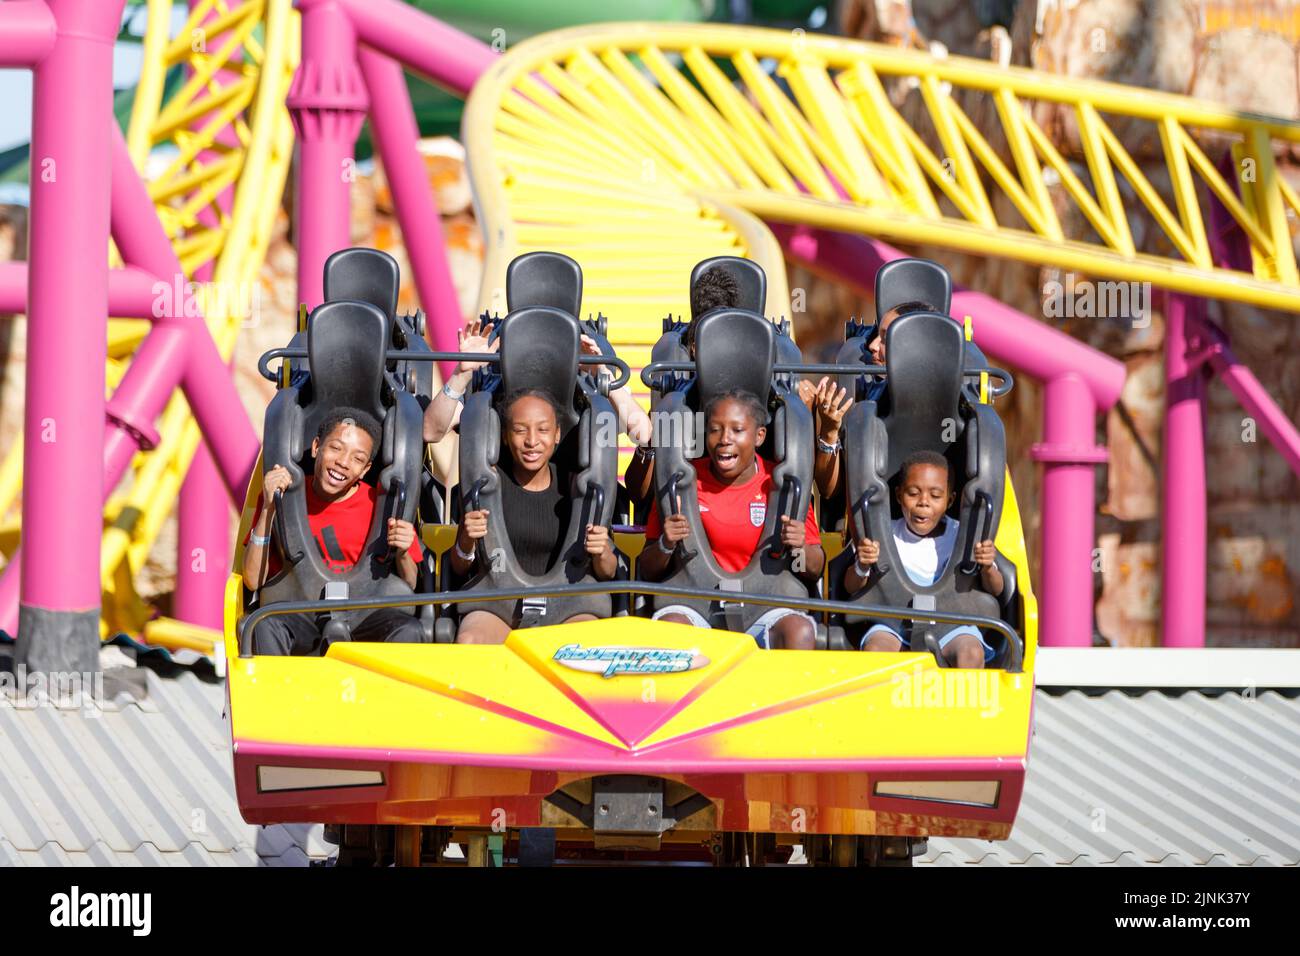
732, 489
340, 507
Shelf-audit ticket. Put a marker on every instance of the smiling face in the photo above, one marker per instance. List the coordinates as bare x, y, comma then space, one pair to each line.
341, 460
731, 437
923, 496
532, 433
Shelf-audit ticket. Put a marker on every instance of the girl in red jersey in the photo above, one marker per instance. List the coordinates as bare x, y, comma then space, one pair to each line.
732, 488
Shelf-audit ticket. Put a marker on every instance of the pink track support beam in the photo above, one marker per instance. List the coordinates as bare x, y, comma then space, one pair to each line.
1001, 331
445, 55
198, 369
203, 525
392, 122
1068, 455
1183, 479
1080, 382
63, 437
1254, 398
131, 292
26, 33
327, 101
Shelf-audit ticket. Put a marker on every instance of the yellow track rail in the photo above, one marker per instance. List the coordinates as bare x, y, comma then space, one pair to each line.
641, 148
240, 58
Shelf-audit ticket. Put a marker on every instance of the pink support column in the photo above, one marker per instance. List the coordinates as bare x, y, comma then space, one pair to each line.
327, 100
72, 109
1183, 481
178, 350
203, 542
396, 136
1069, 455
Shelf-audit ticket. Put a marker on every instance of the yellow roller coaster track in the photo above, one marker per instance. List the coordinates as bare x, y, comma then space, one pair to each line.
641, 148
239, 59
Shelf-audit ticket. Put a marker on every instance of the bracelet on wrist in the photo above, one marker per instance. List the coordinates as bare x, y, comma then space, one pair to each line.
261, 540
862, 572
461, 554
828, 447
454, 395
664, 548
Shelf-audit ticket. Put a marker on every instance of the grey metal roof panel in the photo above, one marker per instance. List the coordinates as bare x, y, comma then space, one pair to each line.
1154, 779
1113, 780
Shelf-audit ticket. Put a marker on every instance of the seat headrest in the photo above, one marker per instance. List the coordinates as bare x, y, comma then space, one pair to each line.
750, 280
363, 275
734, 348
346, 342
924, 357
912, 280
539, 349
544, 279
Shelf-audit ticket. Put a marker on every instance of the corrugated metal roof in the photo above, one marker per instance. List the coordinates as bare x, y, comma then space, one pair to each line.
1154, 779
146, 782
1116, 779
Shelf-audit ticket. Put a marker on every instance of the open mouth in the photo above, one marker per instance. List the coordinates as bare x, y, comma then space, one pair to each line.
725, 459
336, 476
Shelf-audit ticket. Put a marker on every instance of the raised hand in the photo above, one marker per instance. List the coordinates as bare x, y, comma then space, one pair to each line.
832, 405
868, 553
474, 338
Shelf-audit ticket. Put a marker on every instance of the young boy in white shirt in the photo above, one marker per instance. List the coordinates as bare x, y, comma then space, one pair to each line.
925, 539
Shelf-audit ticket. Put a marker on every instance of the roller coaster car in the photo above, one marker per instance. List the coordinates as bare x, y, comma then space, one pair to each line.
602, 738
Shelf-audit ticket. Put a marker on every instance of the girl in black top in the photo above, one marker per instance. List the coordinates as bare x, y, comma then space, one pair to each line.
536, 511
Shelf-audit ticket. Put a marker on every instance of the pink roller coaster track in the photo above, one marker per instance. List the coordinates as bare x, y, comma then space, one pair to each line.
353, 55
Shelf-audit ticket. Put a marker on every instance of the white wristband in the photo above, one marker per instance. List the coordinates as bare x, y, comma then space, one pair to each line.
666, 550
257, 539
461, 554
863, 573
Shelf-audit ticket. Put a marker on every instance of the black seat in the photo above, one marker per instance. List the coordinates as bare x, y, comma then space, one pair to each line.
544, 279
539, 350
735, 348
751, 283
371, 275
345, 367
926, 406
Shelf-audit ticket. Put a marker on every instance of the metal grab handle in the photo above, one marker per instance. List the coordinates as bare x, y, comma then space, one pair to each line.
290, 557
864, 528
831, 368
814, 605
485, 358
470, 502
787, 502
687, 553
593, 505
983, 501
398, 493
